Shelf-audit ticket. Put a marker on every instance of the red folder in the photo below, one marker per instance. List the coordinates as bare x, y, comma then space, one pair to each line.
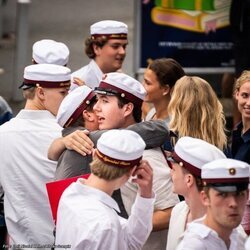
55, 190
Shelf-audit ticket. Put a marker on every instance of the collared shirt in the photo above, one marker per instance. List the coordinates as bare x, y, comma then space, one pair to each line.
177, 224
198, 236
90, 74
241, 144
24, 170
162, 187
247, 244
87, 219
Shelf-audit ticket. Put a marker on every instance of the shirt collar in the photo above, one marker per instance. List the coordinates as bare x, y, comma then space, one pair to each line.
246, 136
202, 230
34, 114
97, 194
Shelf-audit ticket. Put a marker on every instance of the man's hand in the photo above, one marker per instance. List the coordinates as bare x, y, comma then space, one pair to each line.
78, 81
144, 179
79, 141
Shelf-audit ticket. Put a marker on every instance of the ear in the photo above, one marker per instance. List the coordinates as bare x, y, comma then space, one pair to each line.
189, 180
166, 90
128, 108
205, 198
96, 49
88, 116
40, 92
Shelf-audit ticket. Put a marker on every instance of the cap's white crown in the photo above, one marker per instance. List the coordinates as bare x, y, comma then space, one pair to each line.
225, 169
197, 152
127, 83
51, 52
121, 144
108, 27
47, 72
70, 103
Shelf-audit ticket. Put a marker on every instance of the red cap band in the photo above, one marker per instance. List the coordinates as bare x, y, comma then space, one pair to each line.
124, 94
226, 180
82, 106
117, 163
110, 36
194, 170
48, 84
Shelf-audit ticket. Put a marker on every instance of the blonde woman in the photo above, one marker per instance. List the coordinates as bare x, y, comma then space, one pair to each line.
196, 112
241, 134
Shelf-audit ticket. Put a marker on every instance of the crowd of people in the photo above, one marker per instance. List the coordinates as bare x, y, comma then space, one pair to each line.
169, 179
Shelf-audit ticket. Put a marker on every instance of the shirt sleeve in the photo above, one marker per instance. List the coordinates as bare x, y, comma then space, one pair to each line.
139, 224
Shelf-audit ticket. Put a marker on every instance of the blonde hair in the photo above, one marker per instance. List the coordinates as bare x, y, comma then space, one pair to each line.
244, 77
196, 111
105, 171
29, 93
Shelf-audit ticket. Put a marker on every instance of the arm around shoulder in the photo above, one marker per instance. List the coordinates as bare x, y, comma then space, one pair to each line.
154, 132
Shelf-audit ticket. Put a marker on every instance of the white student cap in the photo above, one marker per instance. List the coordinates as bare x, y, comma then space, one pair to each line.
120, 148
122, 85
46, 75
51, 52
109, 29
226, 175
73, 105
192, 153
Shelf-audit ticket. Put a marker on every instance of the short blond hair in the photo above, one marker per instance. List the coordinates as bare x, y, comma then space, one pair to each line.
106, 171
29, 93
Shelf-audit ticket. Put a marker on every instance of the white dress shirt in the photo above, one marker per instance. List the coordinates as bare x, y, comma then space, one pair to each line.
87, 220
177, 224
91, 74
162, 187
24, 170
198, 237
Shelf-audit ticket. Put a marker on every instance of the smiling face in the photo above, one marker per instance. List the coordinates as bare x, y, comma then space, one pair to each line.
109, 114
224, 210
243, 98
111, 56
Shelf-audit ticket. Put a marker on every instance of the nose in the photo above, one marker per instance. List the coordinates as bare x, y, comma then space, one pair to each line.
122, 50
248, 101
96, 106
233, 201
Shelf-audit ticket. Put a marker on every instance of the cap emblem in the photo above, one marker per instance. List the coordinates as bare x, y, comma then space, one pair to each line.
232, 171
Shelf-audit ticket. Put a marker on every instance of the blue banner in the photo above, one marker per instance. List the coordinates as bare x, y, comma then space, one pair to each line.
194, 32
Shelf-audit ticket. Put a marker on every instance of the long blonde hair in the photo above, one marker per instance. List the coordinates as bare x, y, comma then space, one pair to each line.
196, 111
